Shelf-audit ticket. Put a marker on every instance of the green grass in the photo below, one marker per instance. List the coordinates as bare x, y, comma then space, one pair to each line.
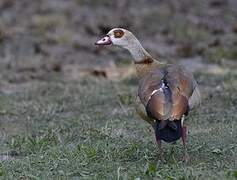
88, 130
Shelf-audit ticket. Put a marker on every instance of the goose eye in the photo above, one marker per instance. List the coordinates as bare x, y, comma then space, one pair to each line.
118, 33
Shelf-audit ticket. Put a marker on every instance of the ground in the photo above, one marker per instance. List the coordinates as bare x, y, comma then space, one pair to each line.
66, 106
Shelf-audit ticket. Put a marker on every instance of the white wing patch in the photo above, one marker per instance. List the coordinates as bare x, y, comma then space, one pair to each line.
195, 99
161, 89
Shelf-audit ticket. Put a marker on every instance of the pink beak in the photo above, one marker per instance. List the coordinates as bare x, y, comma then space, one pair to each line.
104, 41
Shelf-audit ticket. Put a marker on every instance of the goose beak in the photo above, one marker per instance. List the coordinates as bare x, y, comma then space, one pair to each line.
104, 41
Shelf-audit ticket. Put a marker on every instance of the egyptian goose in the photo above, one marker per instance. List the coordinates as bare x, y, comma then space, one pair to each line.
166, 92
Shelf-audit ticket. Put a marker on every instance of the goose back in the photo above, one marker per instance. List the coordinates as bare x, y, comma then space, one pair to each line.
166, 91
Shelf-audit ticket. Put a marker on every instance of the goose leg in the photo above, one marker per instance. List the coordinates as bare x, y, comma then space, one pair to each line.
158, 142
160, 149
184, 140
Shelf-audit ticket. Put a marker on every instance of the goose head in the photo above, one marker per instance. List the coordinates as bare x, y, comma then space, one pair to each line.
125, 39
117, 36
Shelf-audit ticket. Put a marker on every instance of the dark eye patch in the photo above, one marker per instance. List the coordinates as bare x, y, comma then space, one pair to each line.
118, 33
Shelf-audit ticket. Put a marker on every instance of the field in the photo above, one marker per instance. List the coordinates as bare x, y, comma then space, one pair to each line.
67, 107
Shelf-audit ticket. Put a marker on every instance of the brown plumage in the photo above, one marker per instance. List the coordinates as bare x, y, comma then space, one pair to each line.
166, 92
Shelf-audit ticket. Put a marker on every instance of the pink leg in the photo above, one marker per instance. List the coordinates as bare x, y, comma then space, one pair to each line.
184, 140
184, 135
160, 149
159, 144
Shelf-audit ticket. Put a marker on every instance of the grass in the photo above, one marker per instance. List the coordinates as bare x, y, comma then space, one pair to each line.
86, 129
219, 55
